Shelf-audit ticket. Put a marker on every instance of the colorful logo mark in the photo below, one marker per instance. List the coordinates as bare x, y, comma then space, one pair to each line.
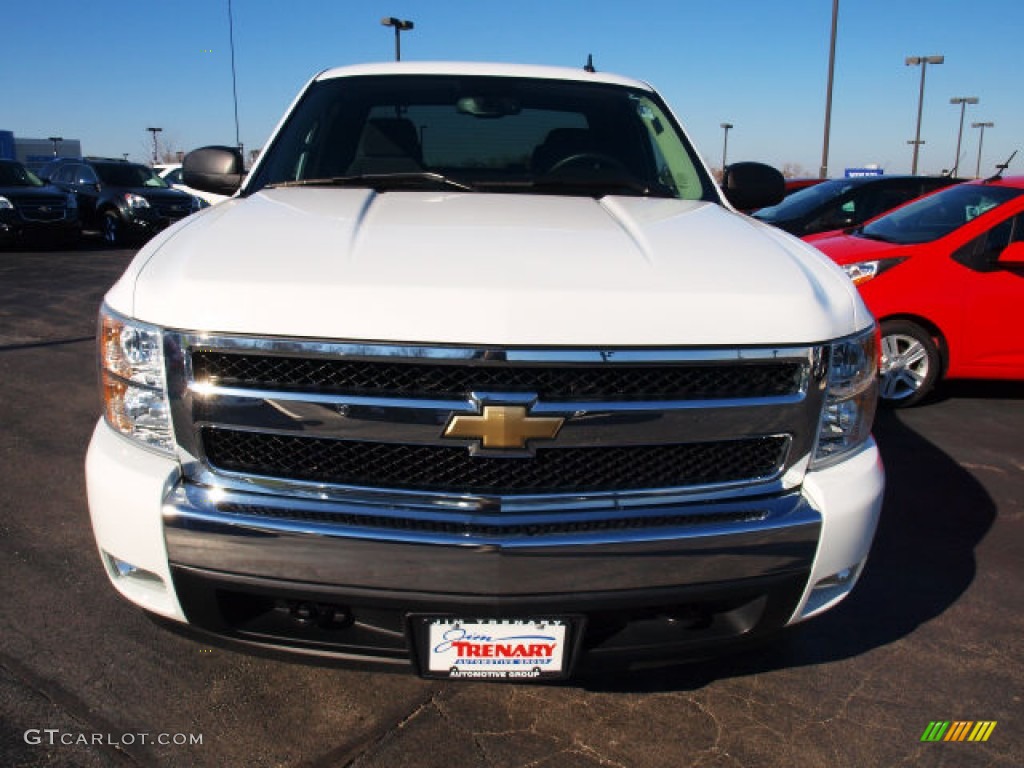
958, 730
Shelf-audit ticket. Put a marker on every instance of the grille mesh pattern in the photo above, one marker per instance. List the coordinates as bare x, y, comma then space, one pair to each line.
172, 210
32, 210
506, 528
453, 469
551, 383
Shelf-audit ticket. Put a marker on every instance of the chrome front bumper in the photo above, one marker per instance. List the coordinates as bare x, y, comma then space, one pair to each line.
694, 577
671, 546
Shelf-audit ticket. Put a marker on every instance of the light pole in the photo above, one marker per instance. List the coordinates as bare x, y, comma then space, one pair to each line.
981, 140
923, 61
823, 171
400, 25
155, 131
725, 143
56, 141
234, 78
963, 101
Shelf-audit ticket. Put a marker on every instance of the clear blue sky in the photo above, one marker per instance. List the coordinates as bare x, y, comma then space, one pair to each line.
102, 71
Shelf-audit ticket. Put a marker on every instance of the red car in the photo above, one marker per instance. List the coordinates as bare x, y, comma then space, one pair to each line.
944, 275
795, 185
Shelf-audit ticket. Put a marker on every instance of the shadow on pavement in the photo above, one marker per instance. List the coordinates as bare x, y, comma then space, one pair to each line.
934, 515
998, 390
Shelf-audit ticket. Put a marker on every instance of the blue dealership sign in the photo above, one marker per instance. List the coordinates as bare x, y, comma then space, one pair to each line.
853, 172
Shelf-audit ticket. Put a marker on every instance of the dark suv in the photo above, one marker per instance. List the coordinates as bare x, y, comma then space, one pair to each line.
841, 203
29, 208
125, 201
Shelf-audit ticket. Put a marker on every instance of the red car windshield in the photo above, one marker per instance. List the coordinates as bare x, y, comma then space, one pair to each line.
935, 216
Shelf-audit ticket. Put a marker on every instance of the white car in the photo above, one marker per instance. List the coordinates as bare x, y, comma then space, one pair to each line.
171, 173
479, 374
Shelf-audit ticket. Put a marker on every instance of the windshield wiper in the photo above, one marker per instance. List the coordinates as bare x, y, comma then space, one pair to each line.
381, 181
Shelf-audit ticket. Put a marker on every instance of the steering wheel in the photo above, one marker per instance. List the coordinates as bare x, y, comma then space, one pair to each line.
592, 158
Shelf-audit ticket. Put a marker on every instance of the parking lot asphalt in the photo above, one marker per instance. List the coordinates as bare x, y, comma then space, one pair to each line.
932, 633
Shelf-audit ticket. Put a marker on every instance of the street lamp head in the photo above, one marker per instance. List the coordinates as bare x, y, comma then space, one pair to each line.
727, 126
964, 100
913, 61
983, 125
391, 21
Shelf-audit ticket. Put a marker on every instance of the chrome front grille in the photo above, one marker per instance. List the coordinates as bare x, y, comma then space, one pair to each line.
362, 426
454, 470
454, 379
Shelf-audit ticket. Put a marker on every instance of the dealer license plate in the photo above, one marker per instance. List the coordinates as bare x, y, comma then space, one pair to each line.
512, 649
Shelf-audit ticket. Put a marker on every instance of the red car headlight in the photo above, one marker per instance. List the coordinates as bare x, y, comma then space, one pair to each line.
862, 271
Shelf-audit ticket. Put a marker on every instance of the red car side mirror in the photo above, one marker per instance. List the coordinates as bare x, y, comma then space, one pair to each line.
1012, 255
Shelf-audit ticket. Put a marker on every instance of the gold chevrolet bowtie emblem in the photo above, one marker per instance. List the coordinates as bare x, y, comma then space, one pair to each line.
504, 426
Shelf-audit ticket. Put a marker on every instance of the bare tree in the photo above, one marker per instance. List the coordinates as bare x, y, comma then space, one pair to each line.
167, 149
794, 171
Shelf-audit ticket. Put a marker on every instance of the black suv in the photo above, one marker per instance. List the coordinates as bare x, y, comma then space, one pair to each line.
841, 203
125, 201
29, 208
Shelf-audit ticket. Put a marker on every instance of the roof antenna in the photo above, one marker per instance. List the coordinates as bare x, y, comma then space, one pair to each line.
1002, 167
589, 66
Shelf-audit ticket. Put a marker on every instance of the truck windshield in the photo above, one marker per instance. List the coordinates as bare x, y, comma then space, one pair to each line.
490, 134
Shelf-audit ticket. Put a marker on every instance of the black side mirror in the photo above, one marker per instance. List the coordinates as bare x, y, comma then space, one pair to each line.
752, 185
214, 169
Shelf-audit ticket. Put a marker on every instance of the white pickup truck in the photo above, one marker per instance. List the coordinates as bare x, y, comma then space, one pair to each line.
480, 374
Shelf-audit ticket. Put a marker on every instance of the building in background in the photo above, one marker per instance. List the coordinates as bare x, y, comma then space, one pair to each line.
34, 152
6, 145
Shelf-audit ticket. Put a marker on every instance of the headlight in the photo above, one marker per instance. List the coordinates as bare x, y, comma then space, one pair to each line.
134, 388
5, 204
862, 271
850, 398
198, 203
135, 201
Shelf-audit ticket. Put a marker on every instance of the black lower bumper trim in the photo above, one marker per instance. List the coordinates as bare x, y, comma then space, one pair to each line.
366, 626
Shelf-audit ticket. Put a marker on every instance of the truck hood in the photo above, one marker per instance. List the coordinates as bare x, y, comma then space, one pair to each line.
474, 268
